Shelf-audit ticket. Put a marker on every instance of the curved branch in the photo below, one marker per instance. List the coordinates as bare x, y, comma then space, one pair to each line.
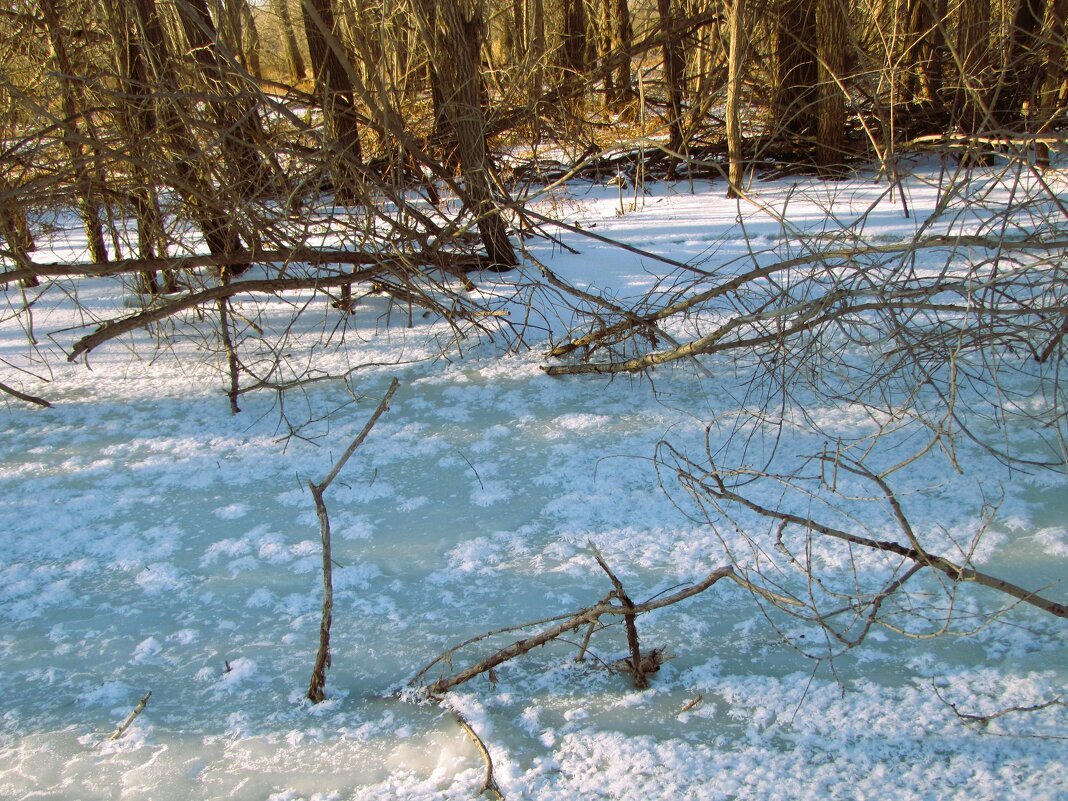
956, 573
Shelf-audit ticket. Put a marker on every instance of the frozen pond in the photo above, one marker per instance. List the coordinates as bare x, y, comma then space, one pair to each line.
151, 542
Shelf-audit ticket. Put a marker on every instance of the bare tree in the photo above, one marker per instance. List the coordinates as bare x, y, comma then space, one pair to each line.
453, 37
72, 124
294, 58
334, 85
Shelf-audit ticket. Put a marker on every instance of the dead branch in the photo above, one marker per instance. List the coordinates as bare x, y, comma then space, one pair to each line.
114, 328
983, 720
137, 710
712, 484
636, 671
693, 702
24, 396
575, 620
735, 284
315, 692
489, 783
441, 259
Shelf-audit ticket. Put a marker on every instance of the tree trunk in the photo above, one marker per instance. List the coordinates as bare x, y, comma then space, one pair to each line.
294, 58
15, 229
797, 71
1049, 104
333, 81
70, 100
622, 38
735, 62
926, 46
234, 111
138, 123
673, 77
454, 41
194, 186
574, 44
832, 42
969, 110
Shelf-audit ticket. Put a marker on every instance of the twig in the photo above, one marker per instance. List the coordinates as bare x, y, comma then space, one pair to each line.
477, 476
322, 658
982, 720
691, 703
137, 710
488, 782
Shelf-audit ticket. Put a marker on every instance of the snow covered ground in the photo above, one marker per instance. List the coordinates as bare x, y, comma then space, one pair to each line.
150, 541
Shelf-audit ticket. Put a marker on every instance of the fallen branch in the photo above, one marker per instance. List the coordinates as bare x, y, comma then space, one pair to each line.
915, 292
114, 328
712, 485
315, 692
24, 396
137, 710
567, 624
459, 262
983, 720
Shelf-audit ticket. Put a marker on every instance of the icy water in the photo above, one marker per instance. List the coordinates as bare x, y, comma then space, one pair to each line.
151, 542
161, 545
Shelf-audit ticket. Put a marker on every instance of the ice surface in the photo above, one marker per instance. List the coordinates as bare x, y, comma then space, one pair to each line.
150, 541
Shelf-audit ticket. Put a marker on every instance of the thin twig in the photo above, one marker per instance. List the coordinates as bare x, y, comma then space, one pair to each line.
489, 783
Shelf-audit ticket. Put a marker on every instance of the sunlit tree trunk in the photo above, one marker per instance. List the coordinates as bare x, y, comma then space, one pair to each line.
1050, 100
294, 59
832, 43
73, 137
454, 41
622, 39
673, 78
735, 62
973, 41
333, 80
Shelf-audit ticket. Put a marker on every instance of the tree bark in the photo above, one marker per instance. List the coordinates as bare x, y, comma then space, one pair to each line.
294, 59
195, 188
138, 122
1050, 99
15, 229
333, 80
234, 111
797, 72
70, 99
970, 111
673, 77
832, 28
735, 61
454, 41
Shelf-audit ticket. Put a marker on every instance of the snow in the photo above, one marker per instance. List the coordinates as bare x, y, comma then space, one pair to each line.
152, 541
